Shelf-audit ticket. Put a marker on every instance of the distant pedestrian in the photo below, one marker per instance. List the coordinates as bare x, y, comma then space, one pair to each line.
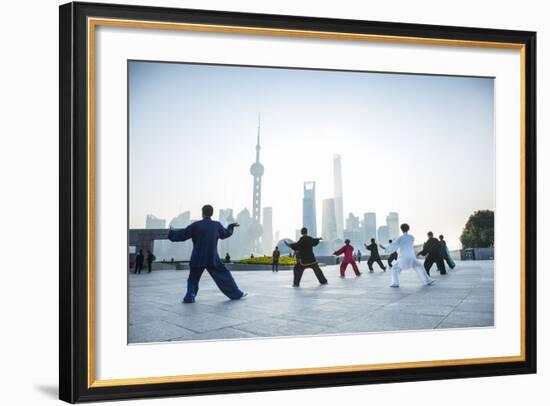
150, 259
374, 255
227, 258
139, 262
306, 258
275, 264
445, 253
359, 256
392, 257
347, 250
432, 251
205, 235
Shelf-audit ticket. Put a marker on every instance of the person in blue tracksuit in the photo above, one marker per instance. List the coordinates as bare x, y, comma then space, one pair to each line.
205, 235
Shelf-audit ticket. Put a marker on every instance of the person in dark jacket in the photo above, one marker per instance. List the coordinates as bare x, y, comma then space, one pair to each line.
276, 255
445, 253
374, 255
392, 257
306, 258
139, 262
432, 251
150, 259
205, 234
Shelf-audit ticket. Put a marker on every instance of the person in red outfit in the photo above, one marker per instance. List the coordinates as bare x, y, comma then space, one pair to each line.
347, 250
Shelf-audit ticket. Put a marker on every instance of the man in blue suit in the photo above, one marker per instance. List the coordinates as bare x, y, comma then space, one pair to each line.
205, 234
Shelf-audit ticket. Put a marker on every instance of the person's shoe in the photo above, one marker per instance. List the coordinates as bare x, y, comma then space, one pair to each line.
187, 301
295, 286
394, 286
323, 283
245, 294
430, 282
342, 276
359, 274
371, 271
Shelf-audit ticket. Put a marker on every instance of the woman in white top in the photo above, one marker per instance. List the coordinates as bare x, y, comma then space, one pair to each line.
407, 258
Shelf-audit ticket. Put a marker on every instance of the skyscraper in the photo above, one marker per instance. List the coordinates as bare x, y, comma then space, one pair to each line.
383, 235
352, 223
267, 236
182, 220
329, 220
353, 231
309, 215
224, 215
154, 222
369, 226
338, 198
392, 221
180, 250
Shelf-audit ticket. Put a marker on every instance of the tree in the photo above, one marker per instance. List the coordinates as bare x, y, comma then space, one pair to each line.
479, 231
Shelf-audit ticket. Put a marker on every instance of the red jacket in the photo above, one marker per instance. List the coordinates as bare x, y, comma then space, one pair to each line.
347, 250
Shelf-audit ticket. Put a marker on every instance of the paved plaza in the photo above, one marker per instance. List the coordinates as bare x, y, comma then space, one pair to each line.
463, 298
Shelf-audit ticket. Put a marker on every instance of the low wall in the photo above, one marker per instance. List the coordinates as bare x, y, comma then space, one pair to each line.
477, 254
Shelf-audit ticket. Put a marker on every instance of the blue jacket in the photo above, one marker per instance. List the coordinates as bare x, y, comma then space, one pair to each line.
204, 234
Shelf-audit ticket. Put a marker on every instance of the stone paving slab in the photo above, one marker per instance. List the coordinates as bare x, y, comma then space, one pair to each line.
273, 308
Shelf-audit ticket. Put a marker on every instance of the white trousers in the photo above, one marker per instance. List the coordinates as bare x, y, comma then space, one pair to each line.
420, 271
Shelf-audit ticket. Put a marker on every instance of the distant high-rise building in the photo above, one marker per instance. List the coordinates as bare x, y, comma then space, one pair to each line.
352, 223
154, 222
369, 226
244, 236
383, 235
180, 250
338, 197
224, 214
229, 245
392, 221
353, 231
181, 220
309, 215
329, 220
267, 236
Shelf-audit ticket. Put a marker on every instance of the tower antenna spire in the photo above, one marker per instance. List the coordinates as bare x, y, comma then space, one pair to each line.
258, 139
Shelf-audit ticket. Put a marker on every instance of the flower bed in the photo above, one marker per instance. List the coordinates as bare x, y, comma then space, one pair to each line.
283, 260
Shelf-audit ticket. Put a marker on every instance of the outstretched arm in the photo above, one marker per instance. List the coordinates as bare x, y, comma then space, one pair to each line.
423, 252
227, 232
294, 245
180, 234
316, 241
390, 249
339, 251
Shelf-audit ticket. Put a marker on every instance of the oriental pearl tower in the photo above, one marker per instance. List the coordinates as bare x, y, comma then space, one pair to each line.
257, 171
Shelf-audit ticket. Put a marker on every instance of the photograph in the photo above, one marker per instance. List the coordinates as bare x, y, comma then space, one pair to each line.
273, 201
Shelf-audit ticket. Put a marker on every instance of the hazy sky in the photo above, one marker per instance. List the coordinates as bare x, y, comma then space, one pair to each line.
419, 145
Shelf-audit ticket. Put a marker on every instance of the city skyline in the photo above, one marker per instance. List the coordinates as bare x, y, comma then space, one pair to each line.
385, 161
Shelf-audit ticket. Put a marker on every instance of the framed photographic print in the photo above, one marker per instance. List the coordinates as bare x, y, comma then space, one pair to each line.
259, 202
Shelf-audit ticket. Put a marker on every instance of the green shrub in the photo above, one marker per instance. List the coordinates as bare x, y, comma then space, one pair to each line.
283, 260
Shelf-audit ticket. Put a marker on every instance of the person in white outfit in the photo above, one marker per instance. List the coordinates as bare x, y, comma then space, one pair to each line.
407, 258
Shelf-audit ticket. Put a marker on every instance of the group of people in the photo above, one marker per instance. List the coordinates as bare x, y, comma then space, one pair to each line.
140, 258
206, 233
